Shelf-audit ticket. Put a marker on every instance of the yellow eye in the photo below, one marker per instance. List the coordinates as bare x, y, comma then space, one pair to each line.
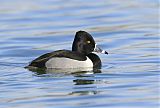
88, 42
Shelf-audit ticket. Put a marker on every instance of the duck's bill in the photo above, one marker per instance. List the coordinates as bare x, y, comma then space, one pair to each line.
99, 50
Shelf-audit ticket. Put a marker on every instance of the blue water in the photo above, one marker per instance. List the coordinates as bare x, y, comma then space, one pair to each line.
127, 29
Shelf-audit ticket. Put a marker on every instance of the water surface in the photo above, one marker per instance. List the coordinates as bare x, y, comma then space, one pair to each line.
127, 29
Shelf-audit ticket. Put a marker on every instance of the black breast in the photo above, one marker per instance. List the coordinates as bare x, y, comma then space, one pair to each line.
96, 60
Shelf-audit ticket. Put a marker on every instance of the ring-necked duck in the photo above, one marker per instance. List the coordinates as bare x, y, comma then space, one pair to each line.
81, 55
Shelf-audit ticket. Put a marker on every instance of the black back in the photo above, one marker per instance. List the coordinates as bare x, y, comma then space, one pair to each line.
40, 61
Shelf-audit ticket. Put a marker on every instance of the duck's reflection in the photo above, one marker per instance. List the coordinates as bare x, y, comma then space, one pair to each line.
74, 72
84, 81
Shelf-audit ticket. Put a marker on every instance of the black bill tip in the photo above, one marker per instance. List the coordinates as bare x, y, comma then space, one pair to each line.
106, 52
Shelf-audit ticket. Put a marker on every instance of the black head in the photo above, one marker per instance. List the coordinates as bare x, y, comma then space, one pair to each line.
83, 43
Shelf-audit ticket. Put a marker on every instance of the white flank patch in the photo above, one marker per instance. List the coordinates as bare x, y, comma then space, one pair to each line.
68, 63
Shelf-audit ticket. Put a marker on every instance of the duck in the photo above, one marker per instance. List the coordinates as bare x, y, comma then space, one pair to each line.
82, 55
